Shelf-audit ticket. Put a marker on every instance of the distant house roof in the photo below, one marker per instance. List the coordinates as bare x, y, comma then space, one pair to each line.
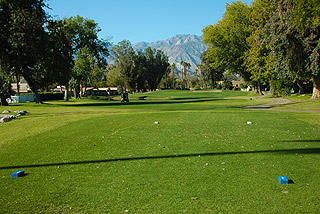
237, 82
23, 86
234, 83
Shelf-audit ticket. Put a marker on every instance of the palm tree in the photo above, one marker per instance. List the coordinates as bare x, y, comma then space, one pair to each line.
173, 68
185, 65
201, 78
188, 71
195, 76
184, 73
167, 78
182, 69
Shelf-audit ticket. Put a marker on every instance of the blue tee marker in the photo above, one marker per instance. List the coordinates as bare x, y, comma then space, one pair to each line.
19, 173
283, 180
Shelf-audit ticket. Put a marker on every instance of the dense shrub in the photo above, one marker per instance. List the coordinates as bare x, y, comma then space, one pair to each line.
243, 86
281, 87
102, 84
227, 85
45, 96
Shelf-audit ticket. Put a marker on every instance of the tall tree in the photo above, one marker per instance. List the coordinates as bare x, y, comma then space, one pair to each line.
140, 66
5, 76
25, 41
258, 58
182, 63
227, 39
195, 76
209, 74
188, 71
173, 69
32, 45
84, 36
306, 15
113, 77
60, 53
287, 44
124, 55
83, 69
199, 66
184, 73
166, 77
157, 63
5, 86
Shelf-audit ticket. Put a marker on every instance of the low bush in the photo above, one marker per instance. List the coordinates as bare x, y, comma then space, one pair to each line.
227, 85
45, 96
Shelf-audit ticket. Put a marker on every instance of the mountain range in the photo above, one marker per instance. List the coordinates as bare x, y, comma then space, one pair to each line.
187, 48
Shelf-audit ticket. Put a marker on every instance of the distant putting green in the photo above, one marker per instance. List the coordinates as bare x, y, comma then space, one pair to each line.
99, 156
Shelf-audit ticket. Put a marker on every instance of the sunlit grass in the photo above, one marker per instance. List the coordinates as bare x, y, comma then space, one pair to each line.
302, 102
95, 156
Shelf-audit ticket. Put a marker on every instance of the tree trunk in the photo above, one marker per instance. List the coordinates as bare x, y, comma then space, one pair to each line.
166, 77
201, 79
34, 91
36, 94
260, 88
213, 81
255, 87
173, 85
18, 84
301, 87
295, 88
316, 87
4, 101
77, 91
66, 93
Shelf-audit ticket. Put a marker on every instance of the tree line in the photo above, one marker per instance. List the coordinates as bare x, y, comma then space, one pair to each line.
68, 52
268, 43
47, 52
137, 71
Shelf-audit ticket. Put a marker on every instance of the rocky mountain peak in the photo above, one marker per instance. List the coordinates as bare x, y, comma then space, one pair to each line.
187, 48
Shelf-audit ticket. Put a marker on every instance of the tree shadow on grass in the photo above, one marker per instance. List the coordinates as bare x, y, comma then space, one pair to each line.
187, 98
301, 141
118, 103
284, 152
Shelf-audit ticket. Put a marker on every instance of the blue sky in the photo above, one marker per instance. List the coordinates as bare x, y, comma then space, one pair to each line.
143, 20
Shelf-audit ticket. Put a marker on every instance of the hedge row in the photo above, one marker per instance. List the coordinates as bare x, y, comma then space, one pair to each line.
46, 96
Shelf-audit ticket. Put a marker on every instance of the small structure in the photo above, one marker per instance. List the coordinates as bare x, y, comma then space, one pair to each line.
19, 173
96, 92
23, 87
21, 99
110, 91
283, 180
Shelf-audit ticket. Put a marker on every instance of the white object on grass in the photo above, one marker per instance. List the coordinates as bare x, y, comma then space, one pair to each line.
156, 122
249, 122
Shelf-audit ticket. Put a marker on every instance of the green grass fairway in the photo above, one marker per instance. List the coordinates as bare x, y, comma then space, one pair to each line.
98, 156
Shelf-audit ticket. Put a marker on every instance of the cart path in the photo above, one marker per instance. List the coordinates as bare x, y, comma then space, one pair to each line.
275, 102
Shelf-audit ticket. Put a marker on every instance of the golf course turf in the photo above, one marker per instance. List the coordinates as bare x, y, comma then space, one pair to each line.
100, 156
